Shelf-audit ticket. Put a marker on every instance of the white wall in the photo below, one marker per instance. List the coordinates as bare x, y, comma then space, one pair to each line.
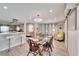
71, 42
66, 39
78, 30
41, 28
72, 39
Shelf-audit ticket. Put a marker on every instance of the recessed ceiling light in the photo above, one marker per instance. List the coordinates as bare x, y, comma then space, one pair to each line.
5, 7
50, 11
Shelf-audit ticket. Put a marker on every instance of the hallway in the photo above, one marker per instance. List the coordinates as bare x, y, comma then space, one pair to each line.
59, 50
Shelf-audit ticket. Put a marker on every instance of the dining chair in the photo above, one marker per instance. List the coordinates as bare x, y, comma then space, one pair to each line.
34, 48
48, 46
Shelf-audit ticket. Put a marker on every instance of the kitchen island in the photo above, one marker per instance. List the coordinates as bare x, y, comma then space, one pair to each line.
11, 39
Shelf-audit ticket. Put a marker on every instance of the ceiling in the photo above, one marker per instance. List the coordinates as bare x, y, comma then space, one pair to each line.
28, 11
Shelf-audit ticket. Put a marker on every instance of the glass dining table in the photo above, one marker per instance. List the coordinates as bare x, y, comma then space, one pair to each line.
40, 40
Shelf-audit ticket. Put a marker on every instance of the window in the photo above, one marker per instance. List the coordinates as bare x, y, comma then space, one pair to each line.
4, 29
48, 29
30, 28
17, 28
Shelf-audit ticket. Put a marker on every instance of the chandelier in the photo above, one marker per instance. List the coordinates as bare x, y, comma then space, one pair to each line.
38, 19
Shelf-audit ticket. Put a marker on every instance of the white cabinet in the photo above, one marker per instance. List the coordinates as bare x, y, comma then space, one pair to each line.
10, 40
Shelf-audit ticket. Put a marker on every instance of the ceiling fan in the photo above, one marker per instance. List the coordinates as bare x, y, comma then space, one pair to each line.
14, 21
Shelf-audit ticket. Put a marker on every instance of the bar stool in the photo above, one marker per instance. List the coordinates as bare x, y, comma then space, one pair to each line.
9, 40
